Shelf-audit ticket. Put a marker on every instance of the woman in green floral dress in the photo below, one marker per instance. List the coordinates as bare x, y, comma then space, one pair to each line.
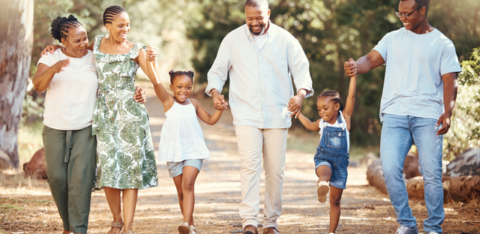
126, 160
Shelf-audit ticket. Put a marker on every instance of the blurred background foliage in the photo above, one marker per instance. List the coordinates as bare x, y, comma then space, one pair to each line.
188, 34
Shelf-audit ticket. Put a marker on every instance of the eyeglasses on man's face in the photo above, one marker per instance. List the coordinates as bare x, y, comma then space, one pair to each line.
406, 15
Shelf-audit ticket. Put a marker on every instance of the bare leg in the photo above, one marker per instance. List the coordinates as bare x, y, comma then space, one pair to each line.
129, 205
66, 232
178, 185
188, 187
324, 173
113, 199
335, 200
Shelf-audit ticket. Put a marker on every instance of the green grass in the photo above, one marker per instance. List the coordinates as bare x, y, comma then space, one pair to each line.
8, 205
29, 140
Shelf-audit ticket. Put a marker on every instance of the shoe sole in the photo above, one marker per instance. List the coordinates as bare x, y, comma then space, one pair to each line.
322, 191
183, 230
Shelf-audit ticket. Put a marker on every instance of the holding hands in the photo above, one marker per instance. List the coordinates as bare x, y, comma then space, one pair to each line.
219, 103
295, 103
151, 54
350, 68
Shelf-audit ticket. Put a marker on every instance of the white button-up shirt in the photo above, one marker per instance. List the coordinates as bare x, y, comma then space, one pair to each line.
260, 81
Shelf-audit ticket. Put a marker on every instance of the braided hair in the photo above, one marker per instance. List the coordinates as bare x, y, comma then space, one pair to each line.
335, 96
61, 25
111, 12
174, 73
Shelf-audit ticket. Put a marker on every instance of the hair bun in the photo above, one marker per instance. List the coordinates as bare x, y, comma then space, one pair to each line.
191, 74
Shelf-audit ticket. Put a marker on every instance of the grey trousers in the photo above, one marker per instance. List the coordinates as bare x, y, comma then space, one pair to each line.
70, 157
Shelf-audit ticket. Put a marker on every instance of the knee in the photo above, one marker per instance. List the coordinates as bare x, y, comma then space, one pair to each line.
335, 200
56, 179
392, 171
188, 185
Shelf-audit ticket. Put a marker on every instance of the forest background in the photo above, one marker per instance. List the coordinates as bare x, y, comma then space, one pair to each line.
188, 34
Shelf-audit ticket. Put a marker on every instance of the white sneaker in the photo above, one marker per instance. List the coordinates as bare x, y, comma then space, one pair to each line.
407, 230
193, 230
433, 233
183, 228
322, 190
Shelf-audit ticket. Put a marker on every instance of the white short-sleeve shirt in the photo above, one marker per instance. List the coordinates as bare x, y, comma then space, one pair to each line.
413, 78
72, 93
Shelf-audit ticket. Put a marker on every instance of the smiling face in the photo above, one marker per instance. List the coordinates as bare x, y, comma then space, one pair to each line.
76, 43
181, 87
416, 18
257, 18
119, 27
328, 109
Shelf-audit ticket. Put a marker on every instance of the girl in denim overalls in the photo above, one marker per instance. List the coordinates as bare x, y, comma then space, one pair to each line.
331, 159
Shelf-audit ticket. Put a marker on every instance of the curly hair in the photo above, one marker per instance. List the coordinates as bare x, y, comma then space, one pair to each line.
61, 25
174, 73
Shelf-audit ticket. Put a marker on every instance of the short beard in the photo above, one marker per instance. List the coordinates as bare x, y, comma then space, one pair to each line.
254, 33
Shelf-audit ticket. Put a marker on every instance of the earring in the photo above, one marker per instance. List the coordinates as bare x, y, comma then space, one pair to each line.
108, 34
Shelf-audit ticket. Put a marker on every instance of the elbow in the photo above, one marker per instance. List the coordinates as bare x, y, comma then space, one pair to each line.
38, 87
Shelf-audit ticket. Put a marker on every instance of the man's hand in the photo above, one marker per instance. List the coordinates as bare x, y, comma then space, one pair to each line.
350, 68
445, 120
139, 95
219, 103
295, 103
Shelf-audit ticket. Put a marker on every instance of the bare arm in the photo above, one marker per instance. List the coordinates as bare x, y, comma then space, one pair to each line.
44, 74
364, 64
204, 115
450, 86
151, 71
350, 103
312, 126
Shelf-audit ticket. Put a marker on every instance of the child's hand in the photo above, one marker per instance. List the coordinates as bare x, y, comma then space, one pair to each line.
50, 49
220, 103
151, 53
350, 68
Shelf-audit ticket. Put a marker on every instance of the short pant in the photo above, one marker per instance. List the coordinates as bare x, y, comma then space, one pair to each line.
176, 168
338, 165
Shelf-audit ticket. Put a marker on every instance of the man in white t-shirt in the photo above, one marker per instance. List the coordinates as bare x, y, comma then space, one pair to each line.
417, 102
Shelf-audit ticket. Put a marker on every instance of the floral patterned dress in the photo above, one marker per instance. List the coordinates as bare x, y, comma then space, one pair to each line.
125, 155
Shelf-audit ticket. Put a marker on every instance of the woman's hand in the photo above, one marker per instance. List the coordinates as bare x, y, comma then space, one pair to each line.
51, 49
139, 95
60, 65
151, 54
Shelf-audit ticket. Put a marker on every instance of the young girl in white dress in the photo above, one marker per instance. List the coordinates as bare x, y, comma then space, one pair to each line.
182, 144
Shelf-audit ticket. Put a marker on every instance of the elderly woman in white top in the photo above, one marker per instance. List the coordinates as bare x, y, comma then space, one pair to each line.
69, 76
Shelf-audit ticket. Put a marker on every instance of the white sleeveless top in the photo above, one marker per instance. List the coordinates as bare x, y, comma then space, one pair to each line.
182, 136
324, 124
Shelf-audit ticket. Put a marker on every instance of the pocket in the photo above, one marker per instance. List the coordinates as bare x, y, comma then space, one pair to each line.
335, 139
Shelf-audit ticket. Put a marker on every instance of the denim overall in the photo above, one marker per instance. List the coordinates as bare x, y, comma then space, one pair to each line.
332, 151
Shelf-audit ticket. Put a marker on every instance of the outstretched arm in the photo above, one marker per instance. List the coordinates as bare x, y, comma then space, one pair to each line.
350, 103
364, 64
204, 115
312, 126
152, 73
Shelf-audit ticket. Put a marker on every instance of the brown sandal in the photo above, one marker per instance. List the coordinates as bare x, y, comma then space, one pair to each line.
128, 232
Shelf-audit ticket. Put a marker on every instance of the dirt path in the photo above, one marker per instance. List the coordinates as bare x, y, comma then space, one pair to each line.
26, 205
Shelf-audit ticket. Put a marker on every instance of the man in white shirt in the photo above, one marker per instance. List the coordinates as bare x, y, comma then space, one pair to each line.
417, 102
259, 57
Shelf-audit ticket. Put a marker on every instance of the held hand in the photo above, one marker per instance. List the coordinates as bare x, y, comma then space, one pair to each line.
151, 53
139, 95
219, 103
295, 106
50, 49
350, 68
60, 65
445, 121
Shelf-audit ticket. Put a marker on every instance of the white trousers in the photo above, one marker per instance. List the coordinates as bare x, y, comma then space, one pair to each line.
253, 145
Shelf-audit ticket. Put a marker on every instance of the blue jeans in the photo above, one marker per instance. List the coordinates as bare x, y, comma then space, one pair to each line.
398, 133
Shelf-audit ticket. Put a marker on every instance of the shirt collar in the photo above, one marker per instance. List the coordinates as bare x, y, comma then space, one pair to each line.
269, 32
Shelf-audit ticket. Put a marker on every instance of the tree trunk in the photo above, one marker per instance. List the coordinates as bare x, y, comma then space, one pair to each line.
16, 38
